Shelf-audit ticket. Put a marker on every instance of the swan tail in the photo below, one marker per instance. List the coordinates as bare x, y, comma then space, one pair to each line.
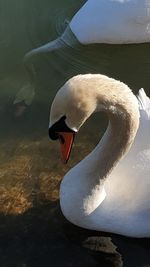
144, 104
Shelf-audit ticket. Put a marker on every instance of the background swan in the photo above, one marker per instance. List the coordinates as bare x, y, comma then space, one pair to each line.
99, 21
117, 21
99, 193
104, 21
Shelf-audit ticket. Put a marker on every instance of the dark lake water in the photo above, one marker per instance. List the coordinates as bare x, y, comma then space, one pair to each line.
33, 231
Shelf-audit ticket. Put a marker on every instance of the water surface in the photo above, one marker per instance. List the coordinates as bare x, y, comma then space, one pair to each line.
33, 232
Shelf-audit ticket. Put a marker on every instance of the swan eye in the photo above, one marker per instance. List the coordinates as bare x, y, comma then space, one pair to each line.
53, 135
57, 128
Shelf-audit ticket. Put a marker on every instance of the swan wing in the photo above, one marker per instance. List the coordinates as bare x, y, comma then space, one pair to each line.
142, 140
107, 21
132, 174
144, 105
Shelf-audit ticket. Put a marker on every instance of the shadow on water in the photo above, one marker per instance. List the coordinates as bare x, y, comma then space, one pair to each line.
42, 237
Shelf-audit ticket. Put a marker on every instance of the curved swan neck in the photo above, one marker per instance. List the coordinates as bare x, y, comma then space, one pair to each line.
85, 183
121, 106
48, 47
115, 143
67, 39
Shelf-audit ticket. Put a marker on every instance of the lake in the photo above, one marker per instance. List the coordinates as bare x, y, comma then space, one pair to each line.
33, 231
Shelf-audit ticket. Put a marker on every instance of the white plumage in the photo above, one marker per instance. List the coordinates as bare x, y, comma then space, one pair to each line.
112, 21
109, 189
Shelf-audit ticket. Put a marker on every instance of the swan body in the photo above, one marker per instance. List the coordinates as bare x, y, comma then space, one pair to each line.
109, 189
112, 21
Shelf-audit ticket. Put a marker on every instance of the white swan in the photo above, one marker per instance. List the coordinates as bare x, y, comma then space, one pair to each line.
100, 21
108, 190
104, 21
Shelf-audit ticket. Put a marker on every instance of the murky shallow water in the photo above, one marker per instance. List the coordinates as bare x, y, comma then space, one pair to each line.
33, 232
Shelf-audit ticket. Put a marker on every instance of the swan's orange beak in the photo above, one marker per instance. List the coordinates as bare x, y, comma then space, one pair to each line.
66, 140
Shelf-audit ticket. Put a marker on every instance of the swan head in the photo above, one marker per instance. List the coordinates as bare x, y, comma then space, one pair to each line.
84, 94
69, 110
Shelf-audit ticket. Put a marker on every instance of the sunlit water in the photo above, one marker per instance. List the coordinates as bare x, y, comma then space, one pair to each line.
33, 232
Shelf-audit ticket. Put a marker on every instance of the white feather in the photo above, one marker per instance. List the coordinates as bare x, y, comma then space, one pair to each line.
144, 104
